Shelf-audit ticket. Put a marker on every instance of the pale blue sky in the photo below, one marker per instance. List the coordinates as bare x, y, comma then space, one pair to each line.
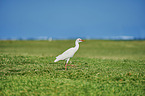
72, 18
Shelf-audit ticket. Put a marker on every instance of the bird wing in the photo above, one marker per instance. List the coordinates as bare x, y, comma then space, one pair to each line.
67, 54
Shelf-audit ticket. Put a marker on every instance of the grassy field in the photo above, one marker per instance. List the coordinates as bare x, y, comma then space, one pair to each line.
108, 68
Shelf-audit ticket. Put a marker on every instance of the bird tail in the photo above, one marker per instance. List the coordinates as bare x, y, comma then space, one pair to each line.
56, 60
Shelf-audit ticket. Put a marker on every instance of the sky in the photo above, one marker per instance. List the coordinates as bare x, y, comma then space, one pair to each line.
72, 18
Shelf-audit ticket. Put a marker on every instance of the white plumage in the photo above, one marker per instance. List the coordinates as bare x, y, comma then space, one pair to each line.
69, 53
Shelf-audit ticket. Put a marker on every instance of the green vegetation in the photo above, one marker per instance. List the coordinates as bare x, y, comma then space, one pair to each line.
101, 68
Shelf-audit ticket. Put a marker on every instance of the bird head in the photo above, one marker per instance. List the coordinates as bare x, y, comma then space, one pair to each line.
79, 40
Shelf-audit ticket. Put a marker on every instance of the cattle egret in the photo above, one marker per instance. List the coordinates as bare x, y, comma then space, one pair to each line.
69, 53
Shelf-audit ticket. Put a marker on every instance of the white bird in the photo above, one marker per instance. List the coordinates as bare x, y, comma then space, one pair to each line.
69, 53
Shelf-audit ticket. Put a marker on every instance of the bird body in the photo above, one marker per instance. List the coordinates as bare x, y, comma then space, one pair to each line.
69, 53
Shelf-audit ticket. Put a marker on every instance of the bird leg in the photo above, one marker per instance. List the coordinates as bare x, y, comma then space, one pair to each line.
66, 63
71, 65
66, 66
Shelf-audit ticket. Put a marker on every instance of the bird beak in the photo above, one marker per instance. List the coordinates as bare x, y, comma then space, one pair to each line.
82, 40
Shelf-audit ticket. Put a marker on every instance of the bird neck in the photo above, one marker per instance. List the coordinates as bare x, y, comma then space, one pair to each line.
77, 45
